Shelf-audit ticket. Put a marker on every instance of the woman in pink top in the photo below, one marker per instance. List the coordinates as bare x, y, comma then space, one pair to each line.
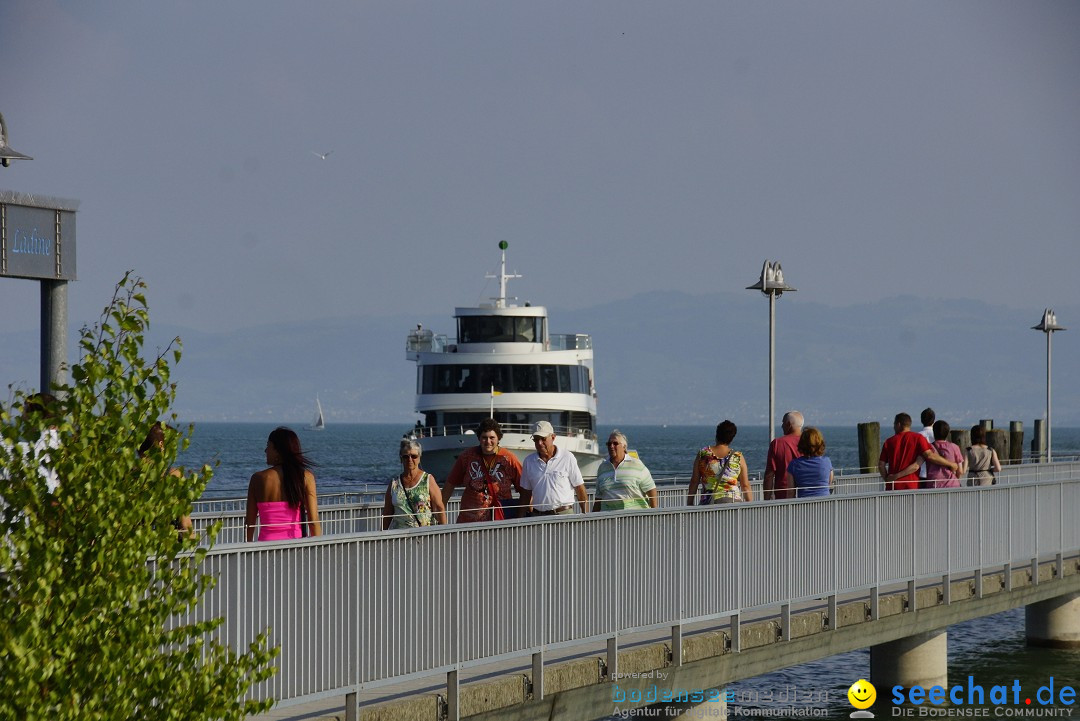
277, 495
940, 476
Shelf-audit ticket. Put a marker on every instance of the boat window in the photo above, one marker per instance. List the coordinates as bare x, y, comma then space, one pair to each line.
564, 379
508, 378
528, 330
493, 376
524, 379
500, 329
549, 379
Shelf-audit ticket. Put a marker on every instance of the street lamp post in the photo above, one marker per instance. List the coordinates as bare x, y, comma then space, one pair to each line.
772, 284
8, 153
1048, 325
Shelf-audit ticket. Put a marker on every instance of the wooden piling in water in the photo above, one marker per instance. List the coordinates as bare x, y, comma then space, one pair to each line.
1038, 442
999, 441
1016, 441
869, 446
962, 438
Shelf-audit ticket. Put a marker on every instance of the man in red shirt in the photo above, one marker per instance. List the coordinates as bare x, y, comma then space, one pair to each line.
782, 451
488, 473
902, 455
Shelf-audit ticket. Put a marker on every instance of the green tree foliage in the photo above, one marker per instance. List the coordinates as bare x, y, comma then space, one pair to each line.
93, 576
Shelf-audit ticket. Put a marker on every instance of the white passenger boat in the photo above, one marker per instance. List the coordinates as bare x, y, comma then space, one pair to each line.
503, 364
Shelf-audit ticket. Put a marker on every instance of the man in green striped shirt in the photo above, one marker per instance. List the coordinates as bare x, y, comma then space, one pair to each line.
622, 481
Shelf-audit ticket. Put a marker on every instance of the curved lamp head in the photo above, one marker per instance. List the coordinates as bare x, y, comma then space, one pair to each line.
771, 280
1049, 323
7, 153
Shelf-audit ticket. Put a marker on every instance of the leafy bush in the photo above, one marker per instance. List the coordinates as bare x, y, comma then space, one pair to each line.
94, 578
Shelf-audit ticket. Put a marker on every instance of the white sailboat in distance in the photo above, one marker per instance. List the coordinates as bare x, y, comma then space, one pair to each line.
319, 424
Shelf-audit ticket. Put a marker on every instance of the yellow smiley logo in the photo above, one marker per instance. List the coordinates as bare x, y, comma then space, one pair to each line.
862, 694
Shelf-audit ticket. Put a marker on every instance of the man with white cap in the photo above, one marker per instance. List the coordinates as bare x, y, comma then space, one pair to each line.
550, 479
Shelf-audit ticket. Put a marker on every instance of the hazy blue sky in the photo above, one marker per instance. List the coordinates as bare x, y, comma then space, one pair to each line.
875, 148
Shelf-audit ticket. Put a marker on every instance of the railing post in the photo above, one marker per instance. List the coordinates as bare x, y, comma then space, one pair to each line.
875, 607
613, 658
538, 675
946, 589
833, 618
785, 622
1009, 555
352, 707
453, 696
1035, 571
676, 645
736, 635
912, 603
978, 583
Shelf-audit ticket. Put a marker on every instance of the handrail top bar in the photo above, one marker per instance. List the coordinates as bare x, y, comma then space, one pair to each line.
607, 516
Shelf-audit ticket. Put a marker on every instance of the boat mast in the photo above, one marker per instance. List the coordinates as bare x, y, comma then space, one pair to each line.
500, 302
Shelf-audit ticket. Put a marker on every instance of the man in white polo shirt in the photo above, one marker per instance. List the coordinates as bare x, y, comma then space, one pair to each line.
550, 479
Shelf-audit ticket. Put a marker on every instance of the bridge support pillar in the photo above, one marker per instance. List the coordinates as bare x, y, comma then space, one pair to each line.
919, 660
1054, 623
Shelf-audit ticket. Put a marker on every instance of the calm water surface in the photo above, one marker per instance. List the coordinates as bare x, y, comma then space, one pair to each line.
991, 649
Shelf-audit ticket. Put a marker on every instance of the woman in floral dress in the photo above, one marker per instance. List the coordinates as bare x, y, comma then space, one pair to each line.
413, 499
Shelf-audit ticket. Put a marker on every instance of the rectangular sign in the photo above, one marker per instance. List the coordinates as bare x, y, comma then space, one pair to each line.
37, 241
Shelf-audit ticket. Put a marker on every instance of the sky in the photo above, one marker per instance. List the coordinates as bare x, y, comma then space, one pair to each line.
875, 149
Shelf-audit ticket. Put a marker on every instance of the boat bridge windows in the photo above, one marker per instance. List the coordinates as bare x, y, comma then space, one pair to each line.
505, 378
500, 329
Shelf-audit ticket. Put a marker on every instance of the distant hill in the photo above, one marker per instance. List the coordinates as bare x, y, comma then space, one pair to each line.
661, 358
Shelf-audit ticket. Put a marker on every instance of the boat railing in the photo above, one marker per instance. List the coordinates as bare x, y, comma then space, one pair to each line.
570, 342
507, 428
423, 340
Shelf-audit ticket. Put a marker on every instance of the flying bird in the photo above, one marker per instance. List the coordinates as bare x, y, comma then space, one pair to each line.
322, 155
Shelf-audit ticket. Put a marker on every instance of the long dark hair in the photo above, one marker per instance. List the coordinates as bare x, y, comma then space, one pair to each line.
293, 462
154, 438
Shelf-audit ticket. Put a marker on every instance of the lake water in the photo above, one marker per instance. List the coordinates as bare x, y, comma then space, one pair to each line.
992, 649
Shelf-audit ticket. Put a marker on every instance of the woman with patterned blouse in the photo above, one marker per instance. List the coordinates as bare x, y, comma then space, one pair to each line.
720, 471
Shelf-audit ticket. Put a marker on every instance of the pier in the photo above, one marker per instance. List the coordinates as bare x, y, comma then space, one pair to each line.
705, 596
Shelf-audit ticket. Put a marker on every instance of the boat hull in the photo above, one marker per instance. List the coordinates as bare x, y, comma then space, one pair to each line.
440, 452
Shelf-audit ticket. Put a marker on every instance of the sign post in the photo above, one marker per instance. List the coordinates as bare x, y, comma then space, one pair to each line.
37, 241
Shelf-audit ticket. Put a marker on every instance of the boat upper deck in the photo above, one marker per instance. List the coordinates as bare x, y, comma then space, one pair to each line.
423, 340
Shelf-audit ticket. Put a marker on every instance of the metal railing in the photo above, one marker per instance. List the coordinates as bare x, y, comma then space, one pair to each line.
343, 607
424, 341
569, 341
459, 429
361, 511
